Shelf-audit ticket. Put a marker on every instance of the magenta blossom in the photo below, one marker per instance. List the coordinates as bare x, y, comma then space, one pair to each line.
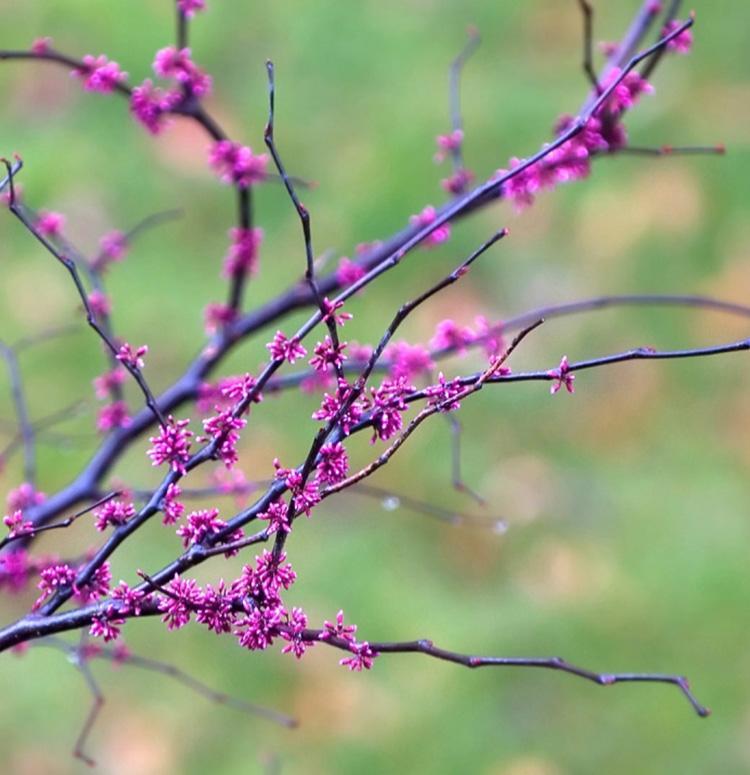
447, 144
50, 224
444, 394
297, 622
682, 43
283, 349
218, 316
327, 355
242, 258
115, 512
130, 357
338, 630
562, 376
427, 217
334, 463
172, 445
24, 497
362, 657
182, 597
199, 525
114, 415
347, 272
149, 105
276, 514
99, 74
236, 164
105, 628
170, 506
108, 382
191, 7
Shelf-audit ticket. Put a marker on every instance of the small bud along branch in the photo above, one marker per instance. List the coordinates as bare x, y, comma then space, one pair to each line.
387, 388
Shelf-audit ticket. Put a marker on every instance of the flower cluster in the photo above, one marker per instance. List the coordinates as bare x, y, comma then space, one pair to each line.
237, 164
149, 105
177, 64
561, 376
172, 445
426, 218
388, 404
114, 512
285, 349
224, 428
242, 258
99, 74
130, 357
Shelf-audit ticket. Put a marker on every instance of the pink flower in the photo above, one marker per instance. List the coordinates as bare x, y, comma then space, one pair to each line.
225, 427
388, 405
450, 336
199, 525
333, 464
96, 587
170, 506
215, 609
149, 105
130, 599
330, 312
113, 246
562, 376
172, 445
283, 349
114, 415
191, 7
523, 185
257, 630
14, 569
448, 143
348, 272
41, 46
276, 514
272, 575
217, 316
242, 258
682, 43
176, 63
456, 184
133, 358
25, 497
236, 164
16, 524
332, 403
239, 388
105, 628
297, 622
184, 598
99, 74
114, 512
99, 303
327, 355
108, 382
408, 360
490, 336
50, 224
426, 218
362, 659
627, 92
52, 579
444, 394
338, 630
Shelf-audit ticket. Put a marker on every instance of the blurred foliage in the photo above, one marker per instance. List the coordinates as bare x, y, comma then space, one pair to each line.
627, 503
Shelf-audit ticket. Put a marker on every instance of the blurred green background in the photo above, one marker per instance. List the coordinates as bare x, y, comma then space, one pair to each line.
627, 502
